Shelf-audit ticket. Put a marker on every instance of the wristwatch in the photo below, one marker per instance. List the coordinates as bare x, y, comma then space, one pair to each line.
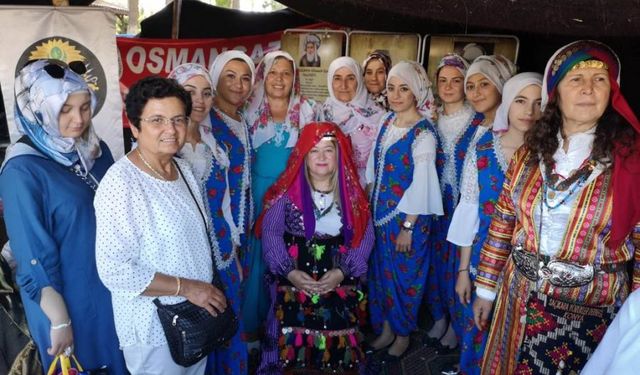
407, 225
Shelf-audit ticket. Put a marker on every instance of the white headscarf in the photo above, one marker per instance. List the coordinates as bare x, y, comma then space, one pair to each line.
257, 114
511, 89
360, 110
184, 72
496, 68
414, 75
222, 59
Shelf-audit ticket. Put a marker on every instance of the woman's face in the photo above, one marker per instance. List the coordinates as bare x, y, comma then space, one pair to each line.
375, 76
157, 137
583, 95
279, 81
344, 85
75, 115
400, 97
450, 85
321, 161
201, 97
234, 83
525, 108
482, 94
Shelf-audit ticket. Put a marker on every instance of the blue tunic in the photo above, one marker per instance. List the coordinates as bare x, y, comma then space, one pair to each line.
269, 160
397, 280
232, 358
52, 228
441, 295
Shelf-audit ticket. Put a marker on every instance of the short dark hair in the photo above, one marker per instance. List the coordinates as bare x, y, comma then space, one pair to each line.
153, 87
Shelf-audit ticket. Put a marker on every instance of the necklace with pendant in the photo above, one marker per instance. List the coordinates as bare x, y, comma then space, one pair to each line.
160, 176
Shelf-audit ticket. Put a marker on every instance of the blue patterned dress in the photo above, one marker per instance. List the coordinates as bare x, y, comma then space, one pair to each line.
232, 359
492, 167
397, 281
441, 295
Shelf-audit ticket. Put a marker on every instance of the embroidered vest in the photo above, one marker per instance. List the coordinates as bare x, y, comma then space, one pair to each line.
394, 169
460, 151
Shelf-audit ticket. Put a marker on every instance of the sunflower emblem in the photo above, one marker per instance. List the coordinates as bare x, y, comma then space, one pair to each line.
56, 49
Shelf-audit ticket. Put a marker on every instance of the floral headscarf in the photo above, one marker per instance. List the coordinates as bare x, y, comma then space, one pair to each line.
382, 55
496, 68
511, 89
258, 113
414, 75
293, 183
455, 61
361, 110
39, 100
626, 165
184, 72
222, 59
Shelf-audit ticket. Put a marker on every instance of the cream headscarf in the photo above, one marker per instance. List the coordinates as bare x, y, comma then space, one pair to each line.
497, 68
414, 75
511, 89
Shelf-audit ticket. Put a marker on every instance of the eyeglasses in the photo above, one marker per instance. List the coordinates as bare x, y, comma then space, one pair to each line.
159, 121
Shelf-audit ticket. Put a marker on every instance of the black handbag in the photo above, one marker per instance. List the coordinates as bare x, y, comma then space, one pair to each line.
191, 331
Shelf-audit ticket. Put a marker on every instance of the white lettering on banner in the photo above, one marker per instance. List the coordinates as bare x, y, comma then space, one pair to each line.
137, 50
174, 60
156, 56
159, 59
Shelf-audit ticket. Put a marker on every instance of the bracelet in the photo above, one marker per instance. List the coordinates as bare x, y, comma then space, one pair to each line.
179, 287
463, 270
62, 325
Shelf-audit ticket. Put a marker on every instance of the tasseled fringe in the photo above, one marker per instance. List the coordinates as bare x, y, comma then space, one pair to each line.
291, 354
298, 340
352, 340
293, 251
341, 342
301, 354
326, 356
310, 341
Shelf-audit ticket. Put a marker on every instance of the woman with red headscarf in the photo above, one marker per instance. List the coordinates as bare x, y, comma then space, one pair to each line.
566, 223
316, 236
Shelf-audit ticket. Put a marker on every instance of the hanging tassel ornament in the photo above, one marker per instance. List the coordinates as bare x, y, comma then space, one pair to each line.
302, 297
341, 293
342, 342
315, 298
293, 251
301, 354
298, 342
347, 357
342, 249
291, 354
326, 357
310, 342
279, 313
282, 341
352, 341
323, 342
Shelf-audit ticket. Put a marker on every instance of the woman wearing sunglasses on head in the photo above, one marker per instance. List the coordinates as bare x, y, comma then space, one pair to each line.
47, 185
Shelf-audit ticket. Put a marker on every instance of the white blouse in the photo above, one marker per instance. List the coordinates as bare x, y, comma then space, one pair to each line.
466, 220
330, 222
451, 127
201, 160
145, 225
423, 196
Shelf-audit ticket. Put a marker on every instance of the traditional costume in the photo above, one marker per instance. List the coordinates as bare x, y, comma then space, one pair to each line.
383, 56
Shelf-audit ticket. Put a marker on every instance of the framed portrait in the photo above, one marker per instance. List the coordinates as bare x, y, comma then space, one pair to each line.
398, 45
467, 46
313, 51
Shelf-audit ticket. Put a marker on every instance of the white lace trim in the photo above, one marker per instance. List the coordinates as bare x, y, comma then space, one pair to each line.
241, 131
499, 153
449, 172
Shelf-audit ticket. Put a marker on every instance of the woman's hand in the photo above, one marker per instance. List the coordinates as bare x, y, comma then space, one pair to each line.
330, 280
61, 340
481, 311
403, 241
463, 287
204, 295
303, 281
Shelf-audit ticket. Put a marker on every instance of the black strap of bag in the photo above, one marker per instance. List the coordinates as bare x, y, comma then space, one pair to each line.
191, 331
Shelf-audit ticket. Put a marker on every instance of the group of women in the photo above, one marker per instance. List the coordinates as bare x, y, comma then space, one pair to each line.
503, 188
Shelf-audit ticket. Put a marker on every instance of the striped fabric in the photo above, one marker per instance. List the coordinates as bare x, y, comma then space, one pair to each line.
584, 243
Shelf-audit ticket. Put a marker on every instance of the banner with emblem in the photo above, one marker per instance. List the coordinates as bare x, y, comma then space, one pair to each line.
69, 34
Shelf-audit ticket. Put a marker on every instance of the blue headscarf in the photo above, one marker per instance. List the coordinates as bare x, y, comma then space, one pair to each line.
39, 100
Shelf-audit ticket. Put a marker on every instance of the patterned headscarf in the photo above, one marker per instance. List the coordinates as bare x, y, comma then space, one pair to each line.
511, 89
39, 100
258, 112
222, 59
184, 72
360, 110
455, 61
626, 165
383, 56
414, 75
496, 68
293, 183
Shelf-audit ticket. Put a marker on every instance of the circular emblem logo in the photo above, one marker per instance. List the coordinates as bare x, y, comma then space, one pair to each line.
67, 50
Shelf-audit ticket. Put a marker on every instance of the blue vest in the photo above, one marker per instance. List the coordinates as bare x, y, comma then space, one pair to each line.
395, 174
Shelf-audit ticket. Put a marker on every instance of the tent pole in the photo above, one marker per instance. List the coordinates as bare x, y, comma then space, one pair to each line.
175, 26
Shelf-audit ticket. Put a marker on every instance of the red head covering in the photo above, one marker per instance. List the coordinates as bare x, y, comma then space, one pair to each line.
353, 201
626, 164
